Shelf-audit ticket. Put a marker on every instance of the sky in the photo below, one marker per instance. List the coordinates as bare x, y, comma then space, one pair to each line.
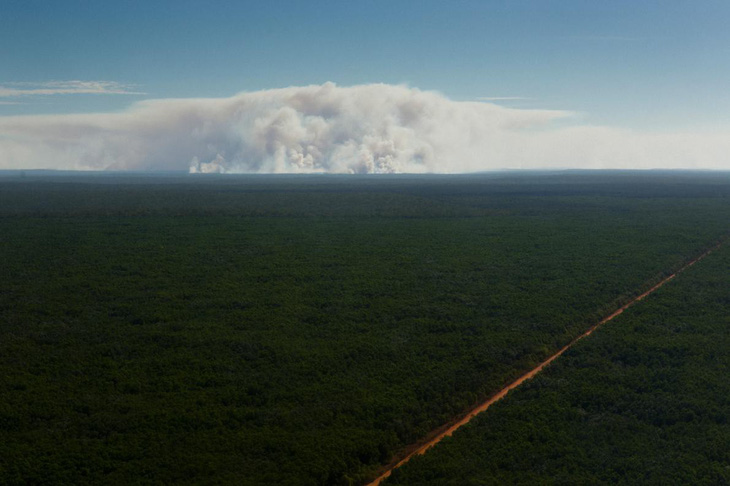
77, 80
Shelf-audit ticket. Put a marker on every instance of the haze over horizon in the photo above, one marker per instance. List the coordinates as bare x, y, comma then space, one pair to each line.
368, 87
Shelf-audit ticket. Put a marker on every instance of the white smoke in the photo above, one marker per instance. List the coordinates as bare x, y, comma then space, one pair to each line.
360, 129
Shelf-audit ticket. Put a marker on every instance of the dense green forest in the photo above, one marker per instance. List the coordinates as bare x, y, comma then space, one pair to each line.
644, 400
302, 330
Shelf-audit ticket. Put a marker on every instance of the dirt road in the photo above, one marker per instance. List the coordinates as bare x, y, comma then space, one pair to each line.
449, 429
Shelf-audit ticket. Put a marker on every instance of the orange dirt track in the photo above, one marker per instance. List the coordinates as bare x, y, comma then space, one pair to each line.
449, 429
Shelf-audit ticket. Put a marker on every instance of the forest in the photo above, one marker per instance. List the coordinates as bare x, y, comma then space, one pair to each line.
645, 400
306, 329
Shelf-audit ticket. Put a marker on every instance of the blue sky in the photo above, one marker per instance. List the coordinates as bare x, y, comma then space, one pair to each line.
642, 64
649, 65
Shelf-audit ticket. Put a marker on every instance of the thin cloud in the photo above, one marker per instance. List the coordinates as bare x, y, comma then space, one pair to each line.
502, 98
48, 88
607, 38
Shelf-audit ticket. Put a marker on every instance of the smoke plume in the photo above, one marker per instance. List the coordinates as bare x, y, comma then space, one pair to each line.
326, 128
